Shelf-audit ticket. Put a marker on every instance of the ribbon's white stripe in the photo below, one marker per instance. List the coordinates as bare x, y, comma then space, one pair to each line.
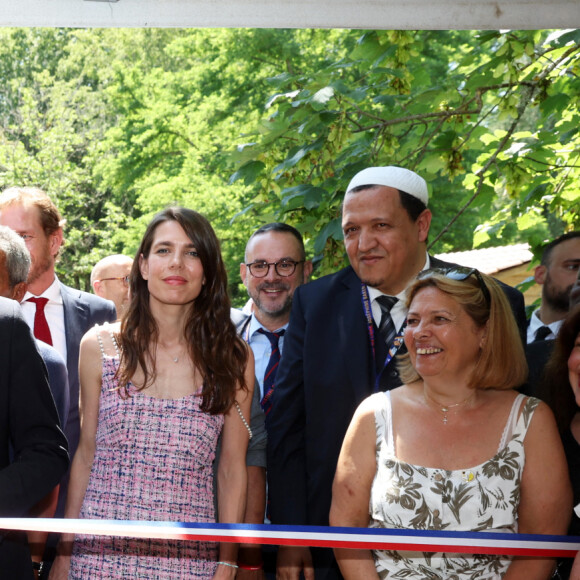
450, 541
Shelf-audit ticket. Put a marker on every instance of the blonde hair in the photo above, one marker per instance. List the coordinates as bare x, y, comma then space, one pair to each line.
502, 362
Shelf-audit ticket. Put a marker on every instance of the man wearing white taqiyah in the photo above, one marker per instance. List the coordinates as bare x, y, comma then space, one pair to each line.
329, 364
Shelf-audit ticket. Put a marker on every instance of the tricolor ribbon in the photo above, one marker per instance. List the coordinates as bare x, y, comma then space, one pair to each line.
315, 536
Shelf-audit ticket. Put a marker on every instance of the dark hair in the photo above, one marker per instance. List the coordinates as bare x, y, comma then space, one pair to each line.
281, 228
555, 386
214, 346
411, 204
502, 362
549, 248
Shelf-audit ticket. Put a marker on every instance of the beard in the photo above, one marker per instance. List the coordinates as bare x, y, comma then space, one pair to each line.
558, 299
275, 309
41, 265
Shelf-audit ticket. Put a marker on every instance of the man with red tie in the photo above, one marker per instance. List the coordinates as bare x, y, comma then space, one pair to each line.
58, 315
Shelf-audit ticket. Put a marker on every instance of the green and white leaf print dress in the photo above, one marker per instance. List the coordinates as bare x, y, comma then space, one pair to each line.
480, 498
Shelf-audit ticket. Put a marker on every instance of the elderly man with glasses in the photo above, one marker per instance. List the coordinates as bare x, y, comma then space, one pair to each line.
110, 280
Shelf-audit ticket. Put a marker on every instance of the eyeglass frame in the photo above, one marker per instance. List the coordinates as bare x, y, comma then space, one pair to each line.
461, 274
275, 264
126, 280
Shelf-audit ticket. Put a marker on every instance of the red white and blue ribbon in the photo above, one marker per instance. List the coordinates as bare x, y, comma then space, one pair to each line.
315, 536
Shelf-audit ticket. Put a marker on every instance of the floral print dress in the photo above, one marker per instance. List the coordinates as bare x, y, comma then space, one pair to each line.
485, 497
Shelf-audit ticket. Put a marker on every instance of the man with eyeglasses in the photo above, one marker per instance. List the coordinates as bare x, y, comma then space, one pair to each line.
110, 280
274, 266
344, 334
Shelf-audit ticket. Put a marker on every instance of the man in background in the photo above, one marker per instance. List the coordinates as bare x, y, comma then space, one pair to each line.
14, 267
274, 266
556, 274
110, 280
59, 315
33, 449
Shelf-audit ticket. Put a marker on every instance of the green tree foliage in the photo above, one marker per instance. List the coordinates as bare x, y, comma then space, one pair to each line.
489, 119
115, 124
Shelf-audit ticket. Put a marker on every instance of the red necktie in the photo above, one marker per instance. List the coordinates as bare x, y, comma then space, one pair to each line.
41, 329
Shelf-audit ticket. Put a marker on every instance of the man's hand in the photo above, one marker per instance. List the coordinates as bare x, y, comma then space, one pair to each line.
291, 561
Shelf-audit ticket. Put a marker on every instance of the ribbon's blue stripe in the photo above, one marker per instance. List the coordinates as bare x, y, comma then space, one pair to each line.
341, 531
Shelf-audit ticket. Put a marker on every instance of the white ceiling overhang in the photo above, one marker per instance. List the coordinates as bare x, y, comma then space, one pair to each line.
374, 14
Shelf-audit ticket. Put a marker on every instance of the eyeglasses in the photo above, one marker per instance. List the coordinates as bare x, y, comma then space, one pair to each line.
124, 278
283, 268
460, 273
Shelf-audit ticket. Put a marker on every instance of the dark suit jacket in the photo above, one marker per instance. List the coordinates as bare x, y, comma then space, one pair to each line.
57, 379
256, 455
325, 372
537, 354
81, 312
29, 424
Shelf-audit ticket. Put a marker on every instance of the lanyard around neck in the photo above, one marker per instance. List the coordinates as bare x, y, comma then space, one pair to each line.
393, 348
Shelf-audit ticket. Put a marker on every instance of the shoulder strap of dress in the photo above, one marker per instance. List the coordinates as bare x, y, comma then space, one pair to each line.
106, 326
518, 423
384, 420
526, 415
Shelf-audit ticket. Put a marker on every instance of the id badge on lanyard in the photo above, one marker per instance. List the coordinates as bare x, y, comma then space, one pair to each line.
393, 348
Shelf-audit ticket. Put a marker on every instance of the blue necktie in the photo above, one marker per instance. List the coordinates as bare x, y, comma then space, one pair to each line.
270, 374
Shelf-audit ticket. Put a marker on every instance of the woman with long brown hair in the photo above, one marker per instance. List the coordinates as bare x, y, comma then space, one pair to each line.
156, 392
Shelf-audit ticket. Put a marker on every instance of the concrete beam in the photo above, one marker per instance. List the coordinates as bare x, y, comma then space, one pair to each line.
373, 14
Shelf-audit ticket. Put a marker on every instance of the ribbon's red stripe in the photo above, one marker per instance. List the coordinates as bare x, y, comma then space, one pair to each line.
400, 546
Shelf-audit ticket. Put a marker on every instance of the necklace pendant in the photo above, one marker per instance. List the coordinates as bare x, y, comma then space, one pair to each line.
445, 419
445, 409
176, 359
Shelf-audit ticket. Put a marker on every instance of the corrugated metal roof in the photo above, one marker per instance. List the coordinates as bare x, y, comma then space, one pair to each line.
491, 260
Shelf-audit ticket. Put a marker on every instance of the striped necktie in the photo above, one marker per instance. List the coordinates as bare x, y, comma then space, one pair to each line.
270, 374
387, 330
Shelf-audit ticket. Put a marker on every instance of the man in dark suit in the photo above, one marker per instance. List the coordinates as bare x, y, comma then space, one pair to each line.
58, 315
557, 274
274, 266
29, 432
334, 355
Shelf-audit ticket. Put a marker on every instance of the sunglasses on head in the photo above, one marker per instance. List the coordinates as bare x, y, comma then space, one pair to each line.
460, 273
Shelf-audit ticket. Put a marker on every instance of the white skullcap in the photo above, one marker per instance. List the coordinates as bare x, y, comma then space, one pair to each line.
395, 177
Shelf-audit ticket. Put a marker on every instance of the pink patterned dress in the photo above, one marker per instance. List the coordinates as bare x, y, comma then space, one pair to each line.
153, 461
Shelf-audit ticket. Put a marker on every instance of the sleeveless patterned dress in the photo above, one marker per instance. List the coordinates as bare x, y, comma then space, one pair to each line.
481, 498
153, 461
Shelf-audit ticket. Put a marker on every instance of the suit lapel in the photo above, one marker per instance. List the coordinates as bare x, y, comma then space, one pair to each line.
75, 319
355, 347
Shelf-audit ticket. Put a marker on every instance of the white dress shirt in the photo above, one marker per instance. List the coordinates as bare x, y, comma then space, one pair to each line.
399, 310
261, 348
54, 313
536, 323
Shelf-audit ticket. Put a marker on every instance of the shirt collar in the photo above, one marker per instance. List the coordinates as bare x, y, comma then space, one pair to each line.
52, 293
255, 326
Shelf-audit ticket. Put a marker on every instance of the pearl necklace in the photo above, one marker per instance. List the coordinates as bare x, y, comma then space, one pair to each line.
446, 408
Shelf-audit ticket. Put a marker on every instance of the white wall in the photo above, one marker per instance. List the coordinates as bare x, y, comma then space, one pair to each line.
386, 14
